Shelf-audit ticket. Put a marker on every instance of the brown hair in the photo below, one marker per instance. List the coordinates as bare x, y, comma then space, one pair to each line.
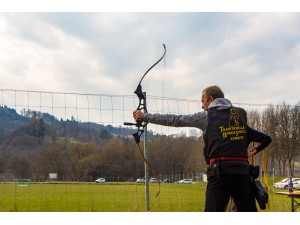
214, 92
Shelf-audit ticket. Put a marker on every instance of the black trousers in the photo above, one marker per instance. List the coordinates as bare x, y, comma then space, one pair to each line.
239, 187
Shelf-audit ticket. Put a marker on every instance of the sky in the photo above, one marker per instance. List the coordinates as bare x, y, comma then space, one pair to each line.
253, 57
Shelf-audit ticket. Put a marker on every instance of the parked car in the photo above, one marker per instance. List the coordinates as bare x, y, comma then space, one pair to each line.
140, 180
296, 181
285, 183
296, 184
281, 183
168, 181
100, 180
153, 180
185, 181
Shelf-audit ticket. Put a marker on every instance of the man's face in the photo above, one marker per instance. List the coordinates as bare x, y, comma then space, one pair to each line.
205, 100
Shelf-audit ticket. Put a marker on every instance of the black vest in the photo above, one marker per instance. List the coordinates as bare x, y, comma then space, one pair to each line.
226, 133
226, 136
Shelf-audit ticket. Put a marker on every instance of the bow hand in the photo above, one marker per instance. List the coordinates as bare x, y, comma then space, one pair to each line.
138, 115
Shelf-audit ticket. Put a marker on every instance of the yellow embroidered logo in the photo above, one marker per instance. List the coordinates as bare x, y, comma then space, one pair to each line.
234, 131
234, 118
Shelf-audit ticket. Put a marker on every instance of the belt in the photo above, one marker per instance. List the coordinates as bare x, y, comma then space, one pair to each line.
228, 158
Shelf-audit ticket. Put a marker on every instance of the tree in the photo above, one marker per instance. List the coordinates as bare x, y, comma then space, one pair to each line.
269, 126
79, 157
20, 167
53, 160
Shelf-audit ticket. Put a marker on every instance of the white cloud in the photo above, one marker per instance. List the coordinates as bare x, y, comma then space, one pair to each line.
107, 53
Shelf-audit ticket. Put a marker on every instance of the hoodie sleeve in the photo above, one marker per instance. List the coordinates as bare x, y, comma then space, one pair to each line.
197, 120
257, 136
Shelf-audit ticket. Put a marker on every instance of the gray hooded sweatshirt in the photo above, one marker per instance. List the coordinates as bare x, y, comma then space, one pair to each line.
197, 120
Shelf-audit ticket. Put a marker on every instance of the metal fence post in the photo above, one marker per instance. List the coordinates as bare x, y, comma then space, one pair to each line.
146, 157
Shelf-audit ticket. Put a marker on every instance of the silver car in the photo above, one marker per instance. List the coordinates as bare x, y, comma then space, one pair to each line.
153, 180
296, 184
185, 181
100, 180
140, 180
285, 183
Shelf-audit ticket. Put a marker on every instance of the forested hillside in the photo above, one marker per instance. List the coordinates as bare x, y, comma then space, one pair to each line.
34, 144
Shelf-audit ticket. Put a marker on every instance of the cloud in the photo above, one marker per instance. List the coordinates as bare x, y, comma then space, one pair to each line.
252, 56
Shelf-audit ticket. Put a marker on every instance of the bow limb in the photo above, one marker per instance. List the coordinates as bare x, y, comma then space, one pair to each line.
165, 50
152, 171
138, 91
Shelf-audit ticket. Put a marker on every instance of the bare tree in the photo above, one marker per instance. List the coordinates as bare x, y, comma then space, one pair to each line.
294, 138
269, 126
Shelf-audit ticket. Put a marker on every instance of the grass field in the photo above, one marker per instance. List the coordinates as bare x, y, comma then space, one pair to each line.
111, 197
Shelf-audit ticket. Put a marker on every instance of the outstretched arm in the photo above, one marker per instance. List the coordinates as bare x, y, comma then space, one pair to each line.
198, 120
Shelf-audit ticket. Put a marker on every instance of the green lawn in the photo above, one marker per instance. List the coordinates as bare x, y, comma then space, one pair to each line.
111, 197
